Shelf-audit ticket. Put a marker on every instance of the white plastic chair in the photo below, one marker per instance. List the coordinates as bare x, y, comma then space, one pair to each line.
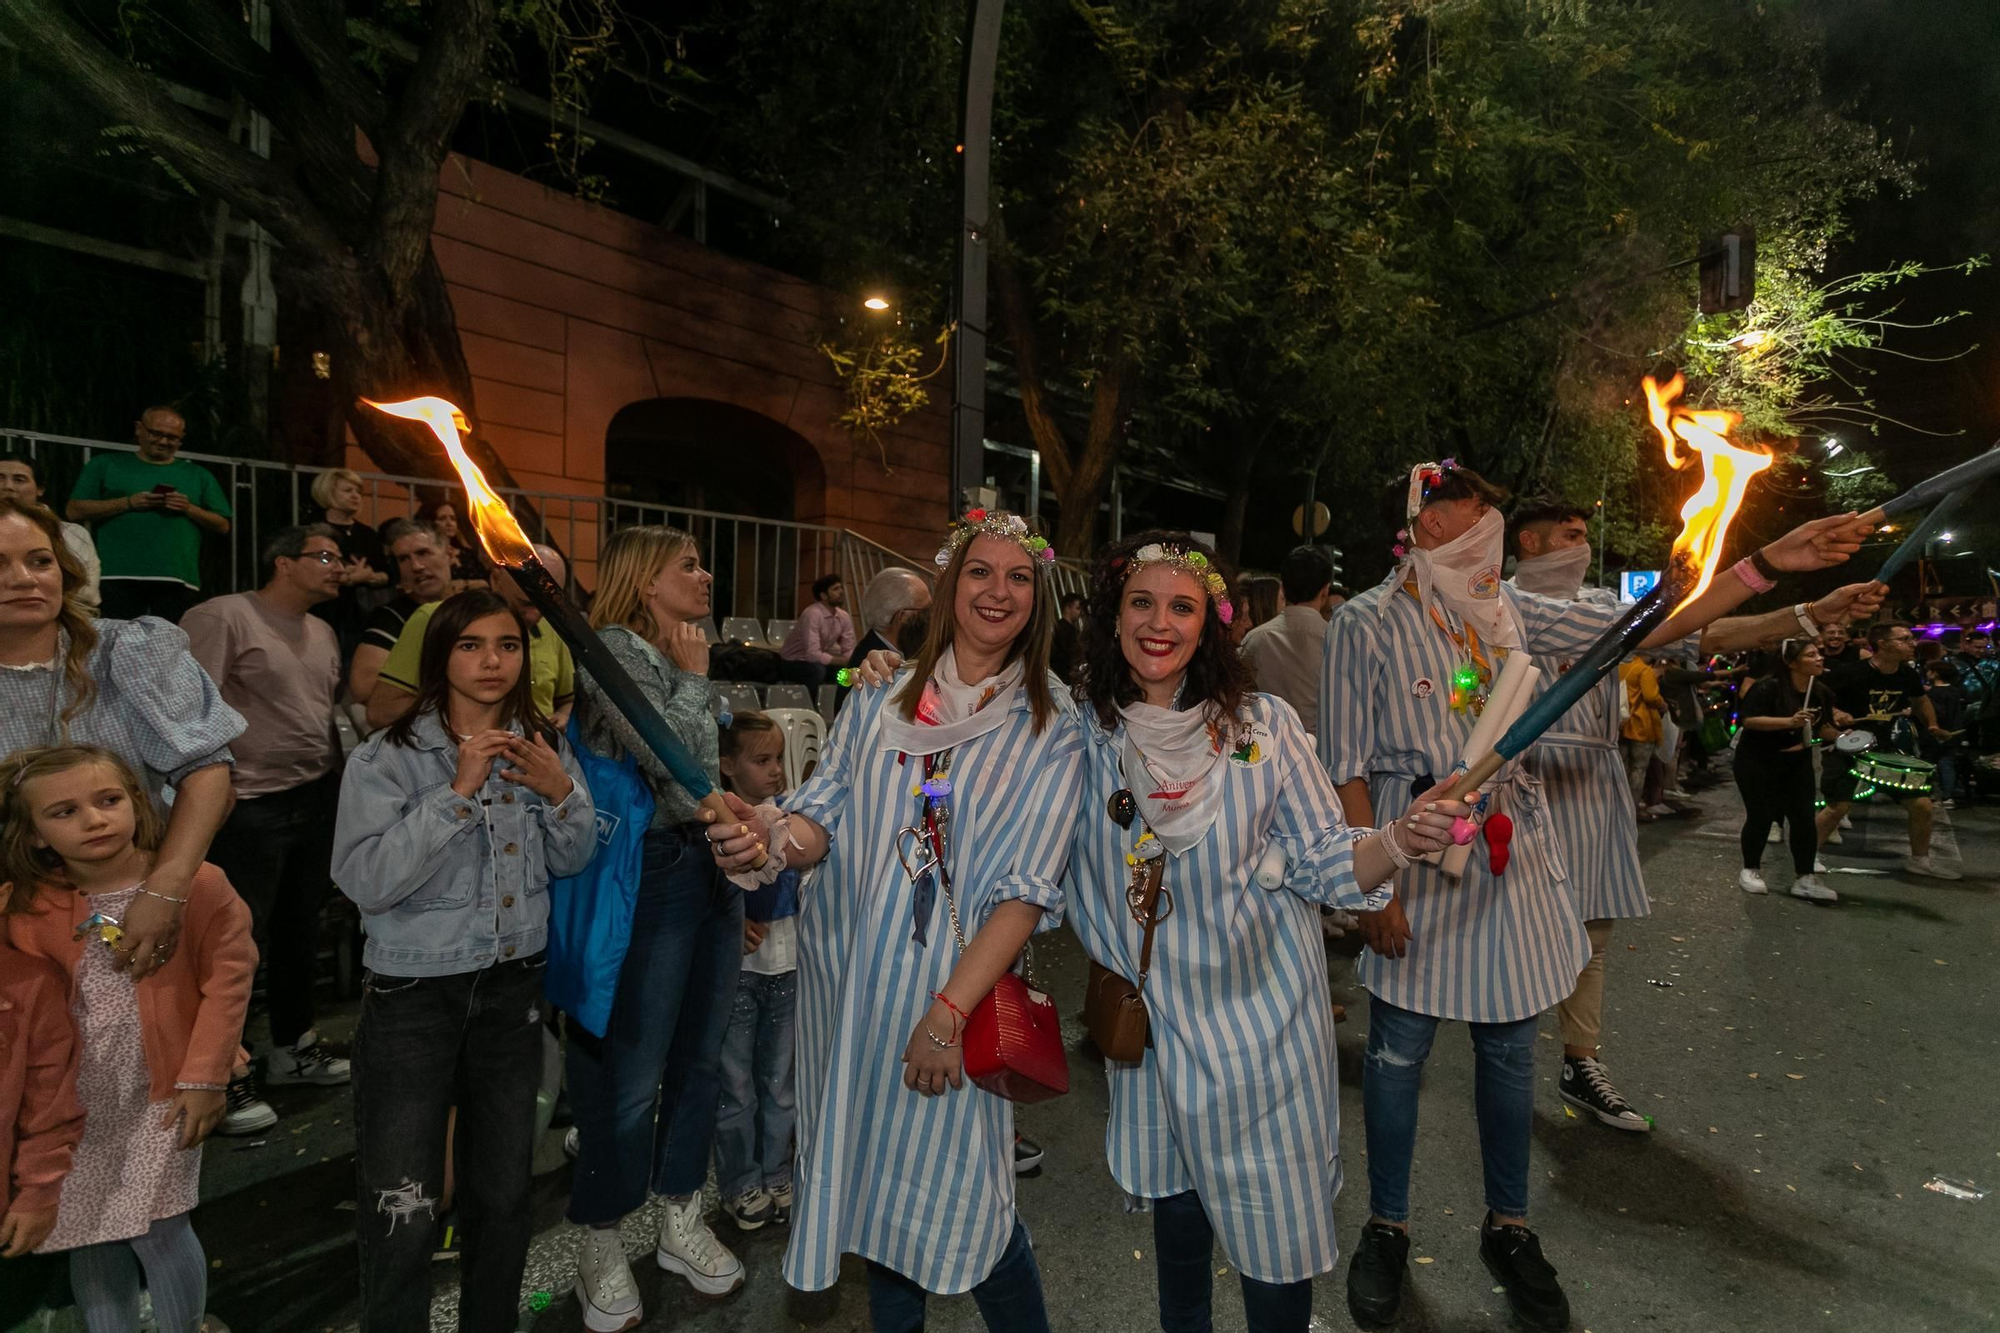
776, 630
743, 630
707, 626
805, 737
787, 695
737, 697
829, 699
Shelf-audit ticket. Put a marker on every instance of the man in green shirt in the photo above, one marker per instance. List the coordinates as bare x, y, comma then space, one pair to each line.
151, 510
554, 672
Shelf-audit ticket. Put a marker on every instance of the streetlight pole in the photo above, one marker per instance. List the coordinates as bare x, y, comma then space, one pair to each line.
975, 143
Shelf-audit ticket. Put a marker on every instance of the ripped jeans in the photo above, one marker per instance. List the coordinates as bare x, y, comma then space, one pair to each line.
1399, 1042
425, 1045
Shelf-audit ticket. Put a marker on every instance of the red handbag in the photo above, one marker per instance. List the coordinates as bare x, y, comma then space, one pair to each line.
1012, 1043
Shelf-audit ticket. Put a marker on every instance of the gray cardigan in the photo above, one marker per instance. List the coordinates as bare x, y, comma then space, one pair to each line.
683, 699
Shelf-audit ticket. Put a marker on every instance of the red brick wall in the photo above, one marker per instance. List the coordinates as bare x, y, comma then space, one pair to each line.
570, 312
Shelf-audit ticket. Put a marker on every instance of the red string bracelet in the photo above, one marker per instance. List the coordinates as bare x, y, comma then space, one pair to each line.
945, 1000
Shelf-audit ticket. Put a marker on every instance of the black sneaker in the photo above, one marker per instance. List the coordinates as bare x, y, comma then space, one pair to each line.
1027, 1155
245, 1110
1514, 1256
1586, 1085
1375, 1274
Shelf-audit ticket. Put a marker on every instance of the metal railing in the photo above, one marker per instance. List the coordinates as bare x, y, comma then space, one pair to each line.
764, 568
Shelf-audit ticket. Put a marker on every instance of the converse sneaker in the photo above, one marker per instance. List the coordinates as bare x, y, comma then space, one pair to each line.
1027, 1155
244, 1111
1834, 839
1514, 1256
1751, 882
306, 1063
1819, 866
781, 1203
689, 1248
1923, 865
750, 1210
1586, 1085
1812, 889
1777, 833
1375, 1274
604, 1286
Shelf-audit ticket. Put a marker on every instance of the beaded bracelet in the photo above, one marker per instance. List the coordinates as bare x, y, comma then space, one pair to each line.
940, 1042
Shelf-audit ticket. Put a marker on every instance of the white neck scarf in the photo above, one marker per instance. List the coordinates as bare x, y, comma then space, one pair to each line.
1174, 765
952, 712
1464, 574
1557, 574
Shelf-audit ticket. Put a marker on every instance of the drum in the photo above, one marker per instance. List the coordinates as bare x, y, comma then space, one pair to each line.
1855, 742
1897, 774
1903, 736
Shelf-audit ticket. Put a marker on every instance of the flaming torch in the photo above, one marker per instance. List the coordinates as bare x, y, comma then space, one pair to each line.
1705, 518
501, 535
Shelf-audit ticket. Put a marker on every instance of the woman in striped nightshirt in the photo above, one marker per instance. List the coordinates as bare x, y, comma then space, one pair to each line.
900, 1161
1230, 1124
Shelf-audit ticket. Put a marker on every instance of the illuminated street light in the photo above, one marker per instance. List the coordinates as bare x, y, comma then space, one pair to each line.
876, 303
1832, 446
1944, 536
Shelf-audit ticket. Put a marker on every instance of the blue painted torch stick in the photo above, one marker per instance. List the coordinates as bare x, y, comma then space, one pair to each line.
1913, 545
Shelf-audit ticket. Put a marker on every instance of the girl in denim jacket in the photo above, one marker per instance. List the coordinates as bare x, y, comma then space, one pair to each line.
452, 822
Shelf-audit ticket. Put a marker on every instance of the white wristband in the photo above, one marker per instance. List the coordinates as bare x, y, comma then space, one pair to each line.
1807, 624
1386, 835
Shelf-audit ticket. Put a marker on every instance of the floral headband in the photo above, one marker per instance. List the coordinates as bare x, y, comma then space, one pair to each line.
1424, 478
1007, 527
1194, 562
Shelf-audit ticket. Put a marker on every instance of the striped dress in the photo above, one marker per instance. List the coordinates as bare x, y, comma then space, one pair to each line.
1590, 804
1486, 949
1238, 1097
921, 1185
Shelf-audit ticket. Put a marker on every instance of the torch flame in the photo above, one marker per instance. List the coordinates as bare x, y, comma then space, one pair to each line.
1725, 474
498, 530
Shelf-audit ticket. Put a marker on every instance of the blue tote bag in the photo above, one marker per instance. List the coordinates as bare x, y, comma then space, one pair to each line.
590, 913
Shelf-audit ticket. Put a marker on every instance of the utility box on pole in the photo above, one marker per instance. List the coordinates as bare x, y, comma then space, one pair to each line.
1729, 271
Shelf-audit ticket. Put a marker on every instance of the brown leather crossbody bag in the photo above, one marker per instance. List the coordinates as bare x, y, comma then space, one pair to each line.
1114, 1009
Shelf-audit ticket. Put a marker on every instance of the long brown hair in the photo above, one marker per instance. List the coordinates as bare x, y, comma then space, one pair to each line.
632, 558
1031, 644
76, 619
26, 865
1215, 674
451, 619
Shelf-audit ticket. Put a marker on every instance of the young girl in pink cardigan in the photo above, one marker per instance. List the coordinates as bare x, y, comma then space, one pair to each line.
77, 838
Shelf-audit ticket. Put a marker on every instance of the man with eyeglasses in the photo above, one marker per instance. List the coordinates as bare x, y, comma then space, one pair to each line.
150, 510
1872, 695
280, 668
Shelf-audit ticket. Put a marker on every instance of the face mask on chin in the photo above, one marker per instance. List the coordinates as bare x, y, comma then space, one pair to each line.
1556, 573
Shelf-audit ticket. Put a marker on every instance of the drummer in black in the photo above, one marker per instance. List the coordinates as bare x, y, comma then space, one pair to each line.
1872, 695
1783, 714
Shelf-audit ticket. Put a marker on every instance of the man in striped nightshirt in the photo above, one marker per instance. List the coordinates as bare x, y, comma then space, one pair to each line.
1407, 663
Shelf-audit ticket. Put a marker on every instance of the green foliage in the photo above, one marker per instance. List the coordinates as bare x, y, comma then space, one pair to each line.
885, 381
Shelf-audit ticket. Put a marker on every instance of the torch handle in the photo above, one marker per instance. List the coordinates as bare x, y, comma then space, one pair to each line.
1913, 545
1473, 778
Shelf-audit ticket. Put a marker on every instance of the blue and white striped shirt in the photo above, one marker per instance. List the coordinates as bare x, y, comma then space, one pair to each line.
1485, 949
1590, 803
1238, 1098
921, 1185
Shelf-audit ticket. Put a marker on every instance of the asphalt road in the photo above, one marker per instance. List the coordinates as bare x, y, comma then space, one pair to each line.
1809, 1069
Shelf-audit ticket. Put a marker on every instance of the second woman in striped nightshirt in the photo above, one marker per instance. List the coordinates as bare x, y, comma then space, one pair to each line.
900, 1160
1230, 1123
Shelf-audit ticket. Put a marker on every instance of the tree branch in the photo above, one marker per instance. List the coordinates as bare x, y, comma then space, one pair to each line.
412, 148
250, 184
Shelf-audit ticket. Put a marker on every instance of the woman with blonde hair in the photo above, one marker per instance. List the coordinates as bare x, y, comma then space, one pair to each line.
943, 808
364, 562
133, 688
645, 1093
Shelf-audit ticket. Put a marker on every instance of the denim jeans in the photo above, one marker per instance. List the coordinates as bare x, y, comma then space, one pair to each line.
1184, 1243
645, 1093
753, 1127
1503, 1094
425, 1045
277, 851
1009, 1300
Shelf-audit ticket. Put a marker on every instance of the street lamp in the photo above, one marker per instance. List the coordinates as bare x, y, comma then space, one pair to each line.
876, 303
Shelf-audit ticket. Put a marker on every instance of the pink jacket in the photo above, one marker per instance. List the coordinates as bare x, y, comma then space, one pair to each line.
192, 1009
40, 1118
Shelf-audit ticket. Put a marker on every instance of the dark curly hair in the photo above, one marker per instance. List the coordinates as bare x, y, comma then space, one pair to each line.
1215, 674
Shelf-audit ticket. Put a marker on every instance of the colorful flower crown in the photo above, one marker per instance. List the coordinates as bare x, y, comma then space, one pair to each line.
1195, 563
994, 523
1424, 478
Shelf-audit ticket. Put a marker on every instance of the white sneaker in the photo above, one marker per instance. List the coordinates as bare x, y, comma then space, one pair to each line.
1661, 811
1923, 865
572, 1142
1847, 821
1751, 882
604, 1285
244, 1111
1819, 866
306, 1063
1834, 839
1810, 888
688, 1247
1777, 833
